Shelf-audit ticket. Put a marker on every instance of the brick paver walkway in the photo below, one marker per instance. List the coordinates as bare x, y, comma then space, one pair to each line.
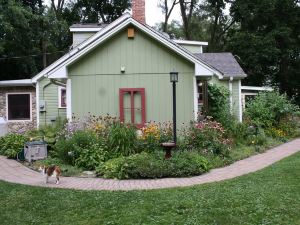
14, 172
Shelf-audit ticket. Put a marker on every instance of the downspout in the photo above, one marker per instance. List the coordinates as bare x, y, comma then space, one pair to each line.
44, 87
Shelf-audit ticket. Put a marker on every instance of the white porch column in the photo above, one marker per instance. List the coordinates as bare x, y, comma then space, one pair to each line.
69, 99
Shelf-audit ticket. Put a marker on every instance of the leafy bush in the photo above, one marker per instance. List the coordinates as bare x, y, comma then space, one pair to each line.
12, 144
147, 165
68, 149
268, 109
218, 105
122, 138
90, 157
207, 136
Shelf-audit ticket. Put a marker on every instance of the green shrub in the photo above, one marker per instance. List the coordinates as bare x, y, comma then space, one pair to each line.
112, 168
90, 157
218, 105
122, 139
68, 149
207, 137
268, 108
12, 144
146, 165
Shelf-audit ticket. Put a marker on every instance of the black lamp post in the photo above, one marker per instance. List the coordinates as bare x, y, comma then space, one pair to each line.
174, 79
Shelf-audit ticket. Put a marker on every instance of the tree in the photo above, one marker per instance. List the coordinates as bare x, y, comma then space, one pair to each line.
167, 10
17, 38
267, 42
187, 9
104, 11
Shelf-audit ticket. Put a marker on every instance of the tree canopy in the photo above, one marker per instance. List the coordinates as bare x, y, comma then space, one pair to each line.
262, 34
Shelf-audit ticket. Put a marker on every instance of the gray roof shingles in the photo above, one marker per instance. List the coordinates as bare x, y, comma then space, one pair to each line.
224, 62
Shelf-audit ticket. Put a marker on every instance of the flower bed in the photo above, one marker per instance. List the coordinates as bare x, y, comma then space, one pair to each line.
118, 150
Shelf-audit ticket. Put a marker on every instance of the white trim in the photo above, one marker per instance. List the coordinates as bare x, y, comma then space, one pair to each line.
22, 82
253, 88
61, 73
195, 98
240, 102
249, 93
86, 29
69, 100
37, 104
198, 43
244, 99
30, 105
59, 89
230, 94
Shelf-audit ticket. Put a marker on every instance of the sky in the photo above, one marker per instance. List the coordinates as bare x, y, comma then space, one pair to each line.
154, 14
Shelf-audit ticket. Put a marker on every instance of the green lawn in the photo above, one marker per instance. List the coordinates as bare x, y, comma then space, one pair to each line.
271, 196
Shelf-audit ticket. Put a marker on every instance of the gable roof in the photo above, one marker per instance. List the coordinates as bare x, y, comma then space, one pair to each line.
58, 69
224, 62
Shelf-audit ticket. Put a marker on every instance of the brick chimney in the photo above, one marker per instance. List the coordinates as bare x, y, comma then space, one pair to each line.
138, 10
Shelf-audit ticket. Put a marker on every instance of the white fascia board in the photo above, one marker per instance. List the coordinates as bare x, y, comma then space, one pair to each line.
86, 29
78, 47
198, 43
200, 71
22, 82
253, 88
61, 72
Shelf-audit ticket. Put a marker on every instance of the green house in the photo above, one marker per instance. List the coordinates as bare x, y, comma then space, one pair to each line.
123, 69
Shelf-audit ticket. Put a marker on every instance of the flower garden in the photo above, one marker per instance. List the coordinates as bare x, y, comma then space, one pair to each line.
118, 150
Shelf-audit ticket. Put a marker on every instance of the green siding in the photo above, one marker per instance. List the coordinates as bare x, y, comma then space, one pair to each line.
236, 104
49, 93
96, 78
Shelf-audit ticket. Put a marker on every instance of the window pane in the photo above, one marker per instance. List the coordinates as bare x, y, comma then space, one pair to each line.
138, 107
63, 98
18, 107
127, 108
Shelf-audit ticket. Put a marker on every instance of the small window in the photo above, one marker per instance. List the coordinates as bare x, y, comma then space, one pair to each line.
18, 107
62, 97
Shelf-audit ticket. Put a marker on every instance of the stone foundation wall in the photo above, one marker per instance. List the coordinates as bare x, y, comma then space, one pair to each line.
18, 127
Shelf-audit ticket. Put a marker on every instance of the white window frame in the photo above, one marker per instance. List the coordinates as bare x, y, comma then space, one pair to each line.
30, 105
244, 98
59, 98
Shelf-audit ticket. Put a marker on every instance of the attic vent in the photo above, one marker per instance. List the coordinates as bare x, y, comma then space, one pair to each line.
130, 32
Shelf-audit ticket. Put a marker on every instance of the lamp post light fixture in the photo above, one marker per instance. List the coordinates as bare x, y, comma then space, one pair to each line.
168, 146
174, 79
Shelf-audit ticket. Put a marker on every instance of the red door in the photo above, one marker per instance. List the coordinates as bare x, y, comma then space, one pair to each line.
132, 106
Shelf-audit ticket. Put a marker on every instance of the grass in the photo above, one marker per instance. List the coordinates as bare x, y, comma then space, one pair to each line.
270, 196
